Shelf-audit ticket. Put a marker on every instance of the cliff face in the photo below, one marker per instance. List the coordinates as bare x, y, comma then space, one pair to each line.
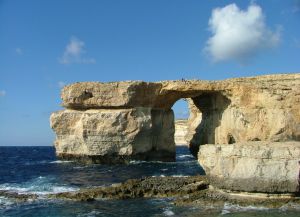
181, 129
134, 119
114, 135
252, 166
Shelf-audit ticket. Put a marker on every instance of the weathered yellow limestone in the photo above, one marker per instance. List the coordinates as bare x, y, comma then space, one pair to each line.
134, 120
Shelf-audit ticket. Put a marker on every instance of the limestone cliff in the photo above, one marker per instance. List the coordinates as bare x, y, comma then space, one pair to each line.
181, 129
268, 167
114, 135
134, 118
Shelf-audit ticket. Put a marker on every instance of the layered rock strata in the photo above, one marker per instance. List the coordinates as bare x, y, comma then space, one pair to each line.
181, 129
264, 108
268, 167
114, 135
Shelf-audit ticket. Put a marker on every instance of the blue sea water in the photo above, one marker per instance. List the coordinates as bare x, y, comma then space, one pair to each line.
36, 170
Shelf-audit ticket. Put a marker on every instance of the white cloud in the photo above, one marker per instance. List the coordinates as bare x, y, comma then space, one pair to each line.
239, 34
61, 84
2, 93
74, 53
19, 51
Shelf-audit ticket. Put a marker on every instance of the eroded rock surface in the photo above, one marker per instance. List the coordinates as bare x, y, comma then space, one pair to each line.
263, 108
269, 167
115, 135
145, 187
187, 191
181, 129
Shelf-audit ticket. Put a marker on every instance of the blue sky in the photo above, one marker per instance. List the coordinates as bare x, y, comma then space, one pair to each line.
47, 44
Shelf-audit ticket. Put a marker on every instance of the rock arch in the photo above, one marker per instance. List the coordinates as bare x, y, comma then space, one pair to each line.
120, 121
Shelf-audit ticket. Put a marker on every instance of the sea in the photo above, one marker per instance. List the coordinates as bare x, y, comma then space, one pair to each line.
36, 170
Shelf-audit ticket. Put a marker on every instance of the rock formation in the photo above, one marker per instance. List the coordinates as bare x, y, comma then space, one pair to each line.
120, 121
269, 167
114, 135
181, 129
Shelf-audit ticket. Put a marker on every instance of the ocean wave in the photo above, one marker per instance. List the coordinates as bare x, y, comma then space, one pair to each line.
137, 162
180, 175
90, 214
168, 212
159, 176
185, 156
231, 208
290, 206
39, 186
4, 202
60, 161
158, 162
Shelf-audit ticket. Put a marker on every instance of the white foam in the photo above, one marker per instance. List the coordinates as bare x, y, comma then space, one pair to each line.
137, 161
290, 206
179, 175
185, 156
168, 212
90, 214
40, 186
5, 202
60, 161
231, 208
159, 176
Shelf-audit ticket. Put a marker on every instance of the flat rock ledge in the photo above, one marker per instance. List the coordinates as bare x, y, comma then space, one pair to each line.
263, 167
192, 191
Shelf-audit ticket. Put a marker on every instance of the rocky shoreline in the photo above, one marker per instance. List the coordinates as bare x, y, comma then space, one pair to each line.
184, 191
245, 133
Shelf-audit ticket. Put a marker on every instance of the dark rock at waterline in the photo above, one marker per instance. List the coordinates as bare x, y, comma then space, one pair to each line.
151, 155
186, 191
219, 198
17, 196
146, 187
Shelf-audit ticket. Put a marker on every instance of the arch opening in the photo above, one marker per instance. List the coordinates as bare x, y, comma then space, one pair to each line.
181, 115
206, 113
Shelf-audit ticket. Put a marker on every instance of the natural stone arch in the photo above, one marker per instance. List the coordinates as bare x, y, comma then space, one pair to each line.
134, 120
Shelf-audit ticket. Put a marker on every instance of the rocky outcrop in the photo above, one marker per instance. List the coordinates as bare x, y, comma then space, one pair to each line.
264, 108
145, 187
181, 129
193, 191
114, 135
268, 167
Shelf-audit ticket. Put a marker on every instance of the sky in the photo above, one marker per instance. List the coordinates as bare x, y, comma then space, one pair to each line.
45, 45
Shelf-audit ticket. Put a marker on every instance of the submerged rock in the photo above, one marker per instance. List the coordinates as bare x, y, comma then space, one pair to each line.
269, 167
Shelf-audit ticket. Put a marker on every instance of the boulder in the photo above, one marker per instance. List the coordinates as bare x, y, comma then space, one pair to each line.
118, 135
266, 167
